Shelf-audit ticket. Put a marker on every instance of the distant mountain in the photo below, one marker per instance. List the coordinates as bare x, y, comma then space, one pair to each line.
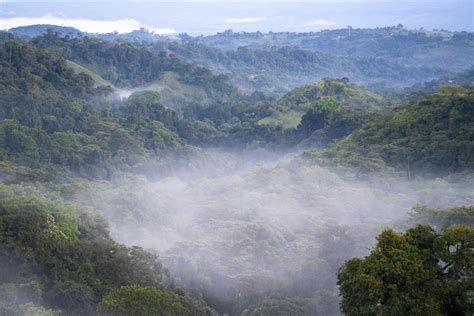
279, 69
464, 78
31, 31
380, 58
414, 47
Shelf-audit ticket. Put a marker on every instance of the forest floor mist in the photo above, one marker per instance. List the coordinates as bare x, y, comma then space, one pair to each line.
239, 226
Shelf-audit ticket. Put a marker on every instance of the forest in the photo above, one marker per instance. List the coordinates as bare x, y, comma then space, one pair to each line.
319, 173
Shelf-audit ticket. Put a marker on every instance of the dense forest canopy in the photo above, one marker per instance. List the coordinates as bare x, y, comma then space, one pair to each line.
236, 173
435, 275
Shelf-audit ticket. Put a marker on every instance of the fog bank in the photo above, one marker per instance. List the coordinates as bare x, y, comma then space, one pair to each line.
240, 225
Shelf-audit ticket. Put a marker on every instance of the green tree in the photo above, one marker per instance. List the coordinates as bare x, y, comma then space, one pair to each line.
140, 301
432, 137
327, 107
440, 218
419, 272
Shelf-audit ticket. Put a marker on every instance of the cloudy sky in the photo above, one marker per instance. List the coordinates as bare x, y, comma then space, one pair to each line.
197, 17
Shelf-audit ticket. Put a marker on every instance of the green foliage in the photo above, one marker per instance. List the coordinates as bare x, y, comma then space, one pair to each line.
36, 30
138, 300
419, 272
441, 218
322, 128
324, 110
433, 137
58, 117
327, 105
414, 47
249, 253
146, 300
38, 87
52, 256
54, 121
282, 61
349, 95
380, 57
57, 255
125, 65
278, 307
337, 109
162, 138
89, 135
317, 114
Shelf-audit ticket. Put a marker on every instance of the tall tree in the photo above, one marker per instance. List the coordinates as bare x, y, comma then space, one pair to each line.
419, 272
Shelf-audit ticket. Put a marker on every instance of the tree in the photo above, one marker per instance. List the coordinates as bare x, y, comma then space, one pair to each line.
432, 137
320, 115
440, 218
327, 107
419, 272
139, 300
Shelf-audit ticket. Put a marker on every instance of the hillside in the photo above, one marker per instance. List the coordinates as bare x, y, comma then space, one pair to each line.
31, 31
65, 109
381, 58
129, 67
444, 49
54, 117
61, 257
277, 69
98, 80
433, 137
349, 94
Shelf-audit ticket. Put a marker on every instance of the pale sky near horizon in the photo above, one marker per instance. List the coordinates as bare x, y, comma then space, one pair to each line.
196, 17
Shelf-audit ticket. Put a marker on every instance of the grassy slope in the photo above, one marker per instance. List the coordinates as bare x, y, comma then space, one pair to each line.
287, 120
99, 81
174, 93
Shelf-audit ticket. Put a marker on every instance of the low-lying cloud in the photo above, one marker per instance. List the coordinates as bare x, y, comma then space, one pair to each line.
244, 20
237, 225
321, 22
85, 25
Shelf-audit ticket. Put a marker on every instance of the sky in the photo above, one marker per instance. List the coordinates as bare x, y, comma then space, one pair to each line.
196, 17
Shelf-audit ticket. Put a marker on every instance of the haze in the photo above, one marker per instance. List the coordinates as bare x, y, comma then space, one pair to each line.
211, 17
258, 158
238, 226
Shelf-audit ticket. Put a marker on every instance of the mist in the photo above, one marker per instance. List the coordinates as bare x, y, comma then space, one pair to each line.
240, 225
124, 93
